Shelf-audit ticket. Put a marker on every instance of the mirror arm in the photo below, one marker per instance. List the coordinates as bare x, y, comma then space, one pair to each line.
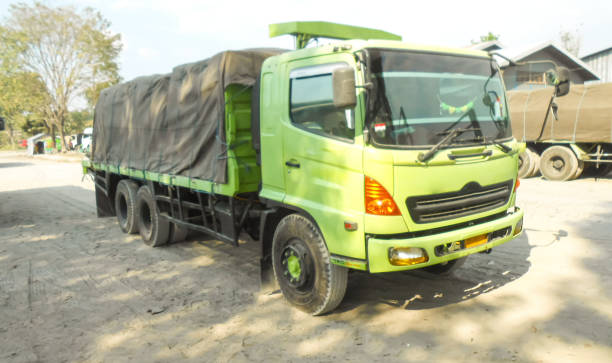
552, 100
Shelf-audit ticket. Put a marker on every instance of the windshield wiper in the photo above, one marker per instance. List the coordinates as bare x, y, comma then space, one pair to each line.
505, 148
445, 141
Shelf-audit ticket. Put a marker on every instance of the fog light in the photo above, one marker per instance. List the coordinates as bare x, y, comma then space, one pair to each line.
519, 227
406, 256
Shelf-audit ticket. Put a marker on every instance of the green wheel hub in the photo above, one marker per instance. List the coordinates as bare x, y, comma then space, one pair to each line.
296, 264
293, 265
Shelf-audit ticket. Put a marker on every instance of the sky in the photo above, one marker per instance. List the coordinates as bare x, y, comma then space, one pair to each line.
160, 34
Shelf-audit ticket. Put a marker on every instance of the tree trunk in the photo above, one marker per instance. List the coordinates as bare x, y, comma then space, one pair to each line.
10, 130
63, 136
53, 137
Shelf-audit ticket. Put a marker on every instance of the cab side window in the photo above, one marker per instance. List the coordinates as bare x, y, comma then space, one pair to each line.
312, 107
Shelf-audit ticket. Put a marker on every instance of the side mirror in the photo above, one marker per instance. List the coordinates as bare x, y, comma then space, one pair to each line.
559, 78
343, 82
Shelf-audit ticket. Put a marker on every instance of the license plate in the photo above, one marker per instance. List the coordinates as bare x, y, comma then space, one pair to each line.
476, 241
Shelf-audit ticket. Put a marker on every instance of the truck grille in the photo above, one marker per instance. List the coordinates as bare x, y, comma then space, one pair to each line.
471, 199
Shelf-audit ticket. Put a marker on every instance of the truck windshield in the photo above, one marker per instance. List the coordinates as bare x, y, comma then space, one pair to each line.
417, 98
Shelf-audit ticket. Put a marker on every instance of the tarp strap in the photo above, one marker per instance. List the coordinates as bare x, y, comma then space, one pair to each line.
578, 112
110, 133
525, 116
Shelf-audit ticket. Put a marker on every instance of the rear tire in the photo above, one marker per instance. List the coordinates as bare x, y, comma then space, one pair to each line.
558, 163
154, 229
535, 168
524, 164
303, 269
125, 206
579, 170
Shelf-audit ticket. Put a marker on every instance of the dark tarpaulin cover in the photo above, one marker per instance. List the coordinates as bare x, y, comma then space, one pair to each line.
585, 114
174, 123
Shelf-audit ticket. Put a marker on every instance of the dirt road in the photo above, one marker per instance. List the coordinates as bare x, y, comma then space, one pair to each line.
73, 288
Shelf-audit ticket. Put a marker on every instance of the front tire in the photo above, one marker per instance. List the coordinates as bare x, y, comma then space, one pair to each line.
154, 229
303, 269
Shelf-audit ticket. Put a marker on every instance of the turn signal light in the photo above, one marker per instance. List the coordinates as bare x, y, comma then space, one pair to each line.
517, 184
378, 201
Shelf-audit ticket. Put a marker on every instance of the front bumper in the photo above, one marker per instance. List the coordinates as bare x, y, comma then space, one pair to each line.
378, 249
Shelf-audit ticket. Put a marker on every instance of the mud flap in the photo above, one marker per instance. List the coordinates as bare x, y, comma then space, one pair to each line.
268, 284
268, 220
104, 206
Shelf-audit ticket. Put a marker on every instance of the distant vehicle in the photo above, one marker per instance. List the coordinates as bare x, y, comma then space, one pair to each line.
86, 139
576, 134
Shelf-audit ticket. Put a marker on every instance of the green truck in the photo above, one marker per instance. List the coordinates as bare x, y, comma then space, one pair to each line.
368, 154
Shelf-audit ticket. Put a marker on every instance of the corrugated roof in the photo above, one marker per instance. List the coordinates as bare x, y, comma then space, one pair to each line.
486, 45
596, 53
517, 54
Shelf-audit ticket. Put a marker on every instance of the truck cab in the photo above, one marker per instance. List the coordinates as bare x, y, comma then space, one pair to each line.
421, 170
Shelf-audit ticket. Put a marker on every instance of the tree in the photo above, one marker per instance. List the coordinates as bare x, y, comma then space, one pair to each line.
23, 97
571, 41
23, 94
487, 38
78, 121
71, 50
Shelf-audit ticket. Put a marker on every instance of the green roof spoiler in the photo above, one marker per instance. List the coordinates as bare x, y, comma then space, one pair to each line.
304, 31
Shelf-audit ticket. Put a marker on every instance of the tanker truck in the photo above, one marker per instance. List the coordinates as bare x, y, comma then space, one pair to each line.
368, 154
573, 136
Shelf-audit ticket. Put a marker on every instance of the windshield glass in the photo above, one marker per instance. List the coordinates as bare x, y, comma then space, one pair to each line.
418, 98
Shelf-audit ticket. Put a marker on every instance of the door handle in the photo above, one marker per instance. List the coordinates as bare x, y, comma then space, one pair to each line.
292, 164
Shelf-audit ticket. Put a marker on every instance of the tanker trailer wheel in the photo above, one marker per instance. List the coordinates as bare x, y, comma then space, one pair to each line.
525, 164
303, 269
446, 269
125, 206
558, 163
154, 229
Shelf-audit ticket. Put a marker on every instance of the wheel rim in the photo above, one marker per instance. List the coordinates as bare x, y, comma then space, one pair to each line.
296, 264
558, 163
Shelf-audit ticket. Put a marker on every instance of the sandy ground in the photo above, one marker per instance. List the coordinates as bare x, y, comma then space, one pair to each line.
73, 288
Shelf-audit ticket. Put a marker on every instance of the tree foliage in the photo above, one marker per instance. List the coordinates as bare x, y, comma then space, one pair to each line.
72, 51
571, 41
23, 94
486, 38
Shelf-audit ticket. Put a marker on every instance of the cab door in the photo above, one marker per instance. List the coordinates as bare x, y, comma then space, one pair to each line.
322, 156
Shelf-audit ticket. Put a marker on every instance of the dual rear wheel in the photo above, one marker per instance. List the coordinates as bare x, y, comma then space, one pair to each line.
557, 162
137, 211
